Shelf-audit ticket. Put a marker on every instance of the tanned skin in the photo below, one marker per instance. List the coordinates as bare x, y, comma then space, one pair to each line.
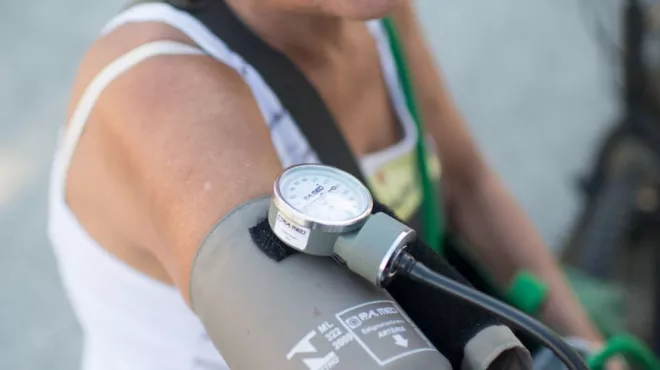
177, 142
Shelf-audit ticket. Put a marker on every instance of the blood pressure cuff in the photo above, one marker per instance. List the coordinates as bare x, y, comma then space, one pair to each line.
470, 337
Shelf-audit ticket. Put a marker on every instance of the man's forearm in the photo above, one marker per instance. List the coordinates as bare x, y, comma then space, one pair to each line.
501, 236
480, 207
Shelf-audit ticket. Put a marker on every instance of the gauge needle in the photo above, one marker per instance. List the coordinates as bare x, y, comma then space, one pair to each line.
339, 201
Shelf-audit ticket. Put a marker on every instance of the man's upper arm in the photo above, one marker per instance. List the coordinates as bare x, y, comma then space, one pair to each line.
190, 141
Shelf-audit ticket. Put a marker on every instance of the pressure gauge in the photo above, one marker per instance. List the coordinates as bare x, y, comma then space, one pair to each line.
312, 204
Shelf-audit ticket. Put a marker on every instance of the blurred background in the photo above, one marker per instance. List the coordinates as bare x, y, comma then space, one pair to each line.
540, 83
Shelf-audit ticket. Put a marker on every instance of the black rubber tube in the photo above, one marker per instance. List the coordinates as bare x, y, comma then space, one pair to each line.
407, 265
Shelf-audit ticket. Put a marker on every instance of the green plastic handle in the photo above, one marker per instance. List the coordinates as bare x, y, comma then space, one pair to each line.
432, 218
527, 293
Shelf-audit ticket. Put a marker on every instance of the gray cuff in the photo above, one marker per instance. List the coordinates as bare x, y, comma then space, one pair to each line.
495, 348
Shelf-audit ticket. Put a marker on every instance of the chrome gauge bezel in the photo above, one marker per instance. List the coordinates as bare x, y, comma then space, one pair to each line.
313, 223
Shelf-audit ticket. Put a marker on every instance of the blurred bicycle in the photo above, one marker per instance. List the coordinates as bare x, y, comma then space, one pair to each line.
616, 240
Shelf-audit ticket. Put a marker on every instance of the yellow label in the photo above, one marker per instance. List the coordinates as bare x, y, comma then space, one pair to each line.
396, 183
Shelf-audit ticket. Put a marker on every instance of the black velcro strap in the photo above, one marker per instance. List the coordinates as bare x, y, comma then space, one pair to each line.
264, 237
295, 92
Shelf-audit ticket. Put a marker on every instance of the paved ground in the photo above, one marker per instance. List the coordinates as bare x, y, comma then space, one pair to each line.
528, 76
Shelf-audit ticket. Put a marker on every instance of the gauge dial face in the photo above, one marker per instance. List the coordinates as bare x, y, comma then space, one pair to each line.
324, 194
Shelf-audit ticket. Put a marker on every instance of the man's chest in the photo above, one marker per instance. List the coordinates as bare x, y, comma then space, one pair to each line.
356, 92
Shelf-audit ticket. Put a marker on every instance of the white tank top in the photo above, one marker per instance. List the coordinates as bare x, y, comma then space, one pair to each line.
133, 322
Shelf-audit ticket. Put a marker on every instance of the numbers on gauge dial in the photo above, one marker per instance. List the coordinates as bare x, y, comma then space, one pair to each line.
324, 195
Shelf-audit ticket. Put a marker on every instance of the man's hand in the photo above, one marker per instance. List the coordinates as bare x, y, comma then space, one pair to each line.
615, 363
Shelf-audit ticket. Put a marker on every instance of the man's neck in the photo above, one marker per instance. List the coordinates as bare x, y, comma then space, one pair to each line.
301, 36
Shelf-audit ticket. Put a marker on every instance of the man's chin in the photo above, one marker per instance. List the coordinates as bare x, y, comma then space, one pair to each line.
367, 9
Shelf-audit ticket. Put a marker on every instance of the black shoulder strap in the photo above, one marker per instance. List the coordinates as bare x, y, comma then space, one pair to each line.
295, 92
